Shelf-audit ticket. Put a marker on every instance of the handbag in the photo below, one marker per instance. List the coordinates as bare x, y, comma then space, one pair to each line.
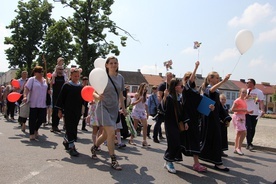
24, 110
119, 114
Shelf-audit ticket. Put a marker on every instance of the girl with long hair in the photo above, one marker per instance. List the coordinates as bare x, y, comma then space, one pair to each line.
140, 112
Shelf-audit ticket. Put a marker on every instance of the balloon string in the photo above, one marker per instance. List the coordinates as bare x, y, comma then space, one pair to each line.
198, 54
236, 64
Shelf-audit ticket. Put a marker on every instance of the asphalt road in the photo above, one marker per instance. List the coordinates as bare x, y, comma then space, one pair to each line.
46, 161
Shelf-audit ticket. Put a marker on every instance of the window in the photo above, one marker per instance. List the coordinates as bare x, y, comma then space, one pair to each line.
233, 96
227, 95
134, 89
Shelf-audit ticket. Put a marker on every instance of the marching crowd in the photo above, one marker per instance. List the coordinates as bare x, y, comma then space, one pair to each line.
175, 102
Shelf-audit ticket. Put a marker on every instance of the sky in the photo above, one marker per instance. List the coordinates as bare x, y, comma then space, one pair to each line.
166, 30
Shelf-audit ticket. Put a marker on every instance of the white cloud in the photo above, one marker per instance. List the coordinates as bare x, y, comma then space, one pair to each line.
252, 15
226, 54
268, 36
146, 69
256, 62
273, 20
189, 50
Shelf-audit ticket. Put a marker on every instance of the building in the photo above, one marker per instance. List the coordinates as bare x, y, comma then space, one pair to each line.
6, 77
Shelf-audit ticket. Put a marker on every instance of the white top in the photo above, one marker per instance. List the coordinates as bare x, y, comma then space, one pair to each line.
253, 102
141, 106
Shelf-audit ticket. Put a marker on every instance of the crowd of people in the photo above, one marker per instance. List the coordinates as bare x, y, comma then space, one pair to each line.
174, 102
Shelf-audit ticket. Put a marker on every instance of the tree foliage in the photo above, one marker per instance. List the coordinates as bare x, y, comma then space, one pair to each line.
82, 37
28, 29
57, 43
90, 25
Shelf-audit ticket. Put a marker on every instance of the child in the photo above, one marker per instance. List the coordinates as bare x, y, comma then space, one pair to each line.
173, 115
191, 138
59, 66
224, 120
240, 110
92, 120
70, 102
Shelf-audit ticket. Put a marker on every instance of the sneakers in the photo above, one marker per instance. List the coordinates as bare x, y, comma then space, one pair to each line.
162, 138
73, 152
122, 145
250, 147
55, 129
66, 145
156, 140
170, 167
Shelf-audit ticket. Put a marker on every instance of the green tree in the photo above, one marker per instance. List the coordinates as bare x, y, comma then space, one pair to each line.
90, 25
57, 43
28, 29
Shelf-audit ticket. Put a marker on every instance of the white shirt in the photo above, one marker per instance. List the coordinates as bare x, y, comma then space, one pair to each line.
253, 102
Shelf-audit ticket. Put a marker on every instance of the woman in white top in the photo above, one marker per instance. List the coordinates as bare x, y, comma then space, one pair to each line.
140, 112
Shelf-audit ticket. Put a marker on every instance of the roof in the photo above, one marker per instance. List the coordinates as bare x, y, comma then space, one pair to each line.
133, 78
266, 88
154, 80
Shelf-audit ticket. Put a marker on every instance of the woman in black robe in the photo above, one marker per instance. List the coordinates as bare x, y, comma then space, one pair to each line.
211, 128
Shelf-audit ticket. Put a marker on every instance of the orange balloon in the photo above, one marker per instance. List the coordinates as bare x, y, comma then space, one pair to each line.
49, 75
13, 96
87, 93
15, 83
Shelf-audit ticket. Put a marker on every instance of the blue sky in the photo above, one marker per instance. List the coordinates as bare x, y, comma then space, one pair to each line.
167, 30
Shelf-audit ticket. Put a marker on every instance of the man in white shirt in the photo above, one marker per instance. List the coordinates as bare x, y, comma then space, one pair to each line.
255, 102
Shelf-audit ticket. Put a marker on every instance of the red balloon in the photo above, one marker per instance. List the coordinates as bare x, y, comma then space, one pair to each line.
49, 75
87, 93
13, 96
15, 83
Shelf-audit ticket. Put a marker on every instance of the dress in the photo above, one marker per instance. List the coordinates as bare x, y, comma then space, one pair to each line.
190, 139
173, 151
239, 117
211, 132
107, 110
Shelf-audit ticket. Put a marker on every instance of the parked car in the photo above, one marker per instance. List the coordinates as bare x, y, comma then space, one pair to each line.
269, 112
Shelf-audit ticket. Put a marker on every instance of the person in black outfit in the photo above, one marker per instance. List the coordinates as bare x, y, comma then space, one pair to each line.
160, 117
56, 87
70, 102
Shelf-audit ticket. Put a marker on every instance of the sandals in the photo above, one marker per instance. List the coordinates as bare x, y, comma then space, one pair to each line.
114, 163
145, 144
131, 142
93, 151
199, 168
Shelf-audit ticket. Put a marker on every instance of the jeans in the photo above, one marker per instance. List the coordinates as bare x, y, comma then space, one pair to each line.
251, 123
157, 127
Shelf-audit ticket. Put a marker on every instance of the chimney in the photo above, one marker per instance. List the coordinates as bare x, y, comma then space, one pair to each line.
242, 80
160, 74
139, 70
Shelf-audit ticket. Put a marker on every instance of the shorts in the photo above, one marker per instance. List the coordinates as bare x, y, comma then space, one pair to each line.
239, 122
138, 115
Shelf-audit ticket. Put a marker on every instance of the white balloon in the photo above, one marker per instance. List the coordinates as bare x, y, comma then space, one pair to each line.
98, 79
99, 63
244, 40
